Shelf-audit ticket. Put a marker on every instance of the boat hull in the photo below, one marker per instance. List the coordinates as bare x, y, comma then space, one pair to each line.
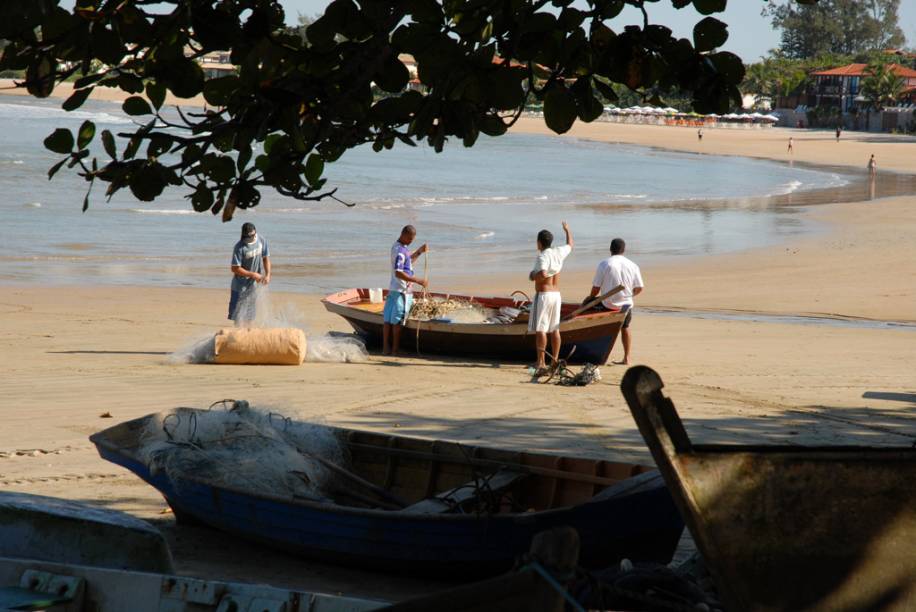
587, 338
789, 528
641, 524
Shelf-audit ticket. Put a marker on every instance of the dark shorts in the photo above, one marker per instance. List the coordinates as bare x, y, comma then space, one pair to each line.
241, 306
626, 321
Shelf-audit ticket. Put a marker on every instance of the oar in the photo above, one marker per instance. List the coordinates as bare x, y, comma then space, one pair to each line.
594, 302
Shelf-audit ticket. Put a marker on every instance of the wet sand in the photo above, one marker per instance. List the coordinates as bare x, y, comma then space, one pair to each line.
72, 354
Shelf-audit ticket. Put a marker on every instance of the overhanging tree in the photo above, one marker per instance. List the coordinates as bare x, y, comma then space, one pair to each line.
307, 101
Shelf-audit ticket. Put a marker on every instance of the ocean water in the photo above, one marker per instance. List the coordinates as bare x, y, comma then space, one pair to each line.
478, 208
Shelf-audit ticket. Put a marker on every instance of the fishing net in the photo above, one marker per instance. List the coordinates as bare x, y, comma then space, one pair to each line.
245, 449
456, 310
325, 347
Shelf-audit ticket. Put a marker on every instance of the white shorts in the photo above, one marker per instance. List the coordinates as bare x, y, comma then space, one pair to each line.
545, 312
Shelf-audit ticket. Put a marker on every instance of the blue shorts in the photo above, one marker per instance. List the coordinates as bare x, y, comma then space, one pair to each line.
242, 306
397, 307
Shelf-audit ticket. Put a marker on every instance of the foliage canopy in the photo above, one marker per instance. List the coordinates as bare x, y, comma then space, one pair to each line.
840, 27
297, 103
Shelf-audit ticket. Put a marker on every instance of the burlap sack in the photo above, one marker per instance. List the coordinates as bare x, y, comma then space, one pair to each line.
266, 346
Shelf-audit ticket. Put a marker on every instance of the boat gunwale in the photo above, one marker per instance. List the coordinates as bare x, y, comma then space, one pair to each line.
102, 441
587, 320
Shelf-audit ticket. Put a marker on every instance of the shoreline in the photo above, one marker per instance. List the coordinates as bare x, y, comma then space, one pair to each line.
76, 355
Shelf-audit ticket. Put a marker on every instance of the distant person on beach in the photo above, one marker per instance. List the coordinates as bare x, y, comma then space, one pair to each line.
613, 271
700, 134
400, 293
544, 318
791, 149
838, 132
250, 266
872, 166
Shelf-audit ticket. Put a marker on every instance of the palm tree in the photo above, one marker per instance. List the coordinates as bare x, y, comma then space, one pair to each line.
882, 87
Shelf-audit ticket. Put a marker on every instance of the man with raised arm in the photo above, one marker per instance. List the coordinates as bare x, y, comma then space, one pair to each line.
545, 309
400, 293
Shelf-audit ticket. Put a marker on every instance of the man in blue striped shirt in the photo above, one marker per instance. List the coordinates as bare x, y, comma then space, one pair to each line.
400, 294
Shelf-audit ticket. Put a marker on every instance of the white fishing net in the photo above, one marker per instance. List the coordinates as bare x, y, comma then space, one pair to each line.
246, 449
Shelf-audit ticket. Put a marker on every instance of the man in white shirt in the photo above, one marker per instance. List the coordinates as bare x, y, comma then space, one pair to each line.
613, 271
545, 309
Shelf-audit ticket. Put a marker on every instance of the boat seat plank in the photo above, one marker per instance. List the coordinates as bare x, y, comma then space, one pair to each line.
445, 502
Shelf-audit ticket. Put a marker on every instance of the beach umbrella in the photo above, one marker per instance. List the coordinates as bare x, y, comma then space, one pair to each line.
671, 111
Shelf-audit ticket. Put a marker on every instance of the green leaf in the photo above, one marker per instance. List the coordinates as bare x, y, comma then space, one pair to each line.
85, 135
612, 8
729, 65
108, 142
393, 75
76, 99
155, 91
135, 105
60, 141
709, 34
85, 81
202, 198
606, 90
56, 167
219, 168
218, 91
708, 7
184, 78
314, 167
679, 4
130, 83
107, 45
505, 89
559, 110
146, 183
40, 76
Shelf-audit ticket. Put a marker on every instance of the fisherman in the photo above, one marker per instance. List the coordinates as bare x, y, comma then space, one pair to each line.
613, 271
400, 295
250, 266
545, 309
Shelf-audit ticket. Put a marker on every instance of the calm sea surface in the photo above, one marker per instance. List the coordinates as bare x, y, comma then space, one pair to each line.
478, 208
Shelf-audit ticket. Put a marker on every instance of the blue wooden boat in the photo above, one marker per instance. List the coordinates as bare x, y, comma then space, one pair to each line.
588, 336
470, 510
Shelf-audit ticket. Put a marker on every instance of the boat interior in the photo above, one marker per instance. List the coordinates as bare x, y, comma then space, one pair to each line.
361, 299
400, 473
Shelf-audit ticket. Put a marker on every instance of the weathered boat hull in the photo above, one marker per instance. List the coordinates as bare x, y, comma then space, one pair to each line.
66, 531
639, 522
789, 527
116, 590
592, 335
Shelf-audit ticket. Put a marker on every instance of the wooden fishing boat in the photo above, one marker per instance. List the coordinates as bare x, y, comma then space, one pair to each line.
788, 527
470, 509
30, 584
591, 333
67, 531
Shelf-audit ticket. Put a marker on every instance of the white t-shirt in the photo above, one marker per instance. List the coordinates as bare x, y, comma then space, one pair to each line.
551, 260
613, 271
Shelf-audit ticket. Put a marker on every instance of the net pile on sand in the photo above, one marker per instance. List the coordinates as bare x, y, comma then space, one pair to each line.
245, 449
456, 310
335, 348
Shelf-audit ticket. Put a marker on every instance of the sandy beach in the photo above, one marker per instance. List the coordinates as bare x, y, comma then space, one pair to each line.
73, 354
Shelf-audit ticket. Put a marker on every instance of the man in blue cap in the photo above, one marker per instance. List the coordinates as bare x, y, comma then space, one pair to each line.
250, 266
